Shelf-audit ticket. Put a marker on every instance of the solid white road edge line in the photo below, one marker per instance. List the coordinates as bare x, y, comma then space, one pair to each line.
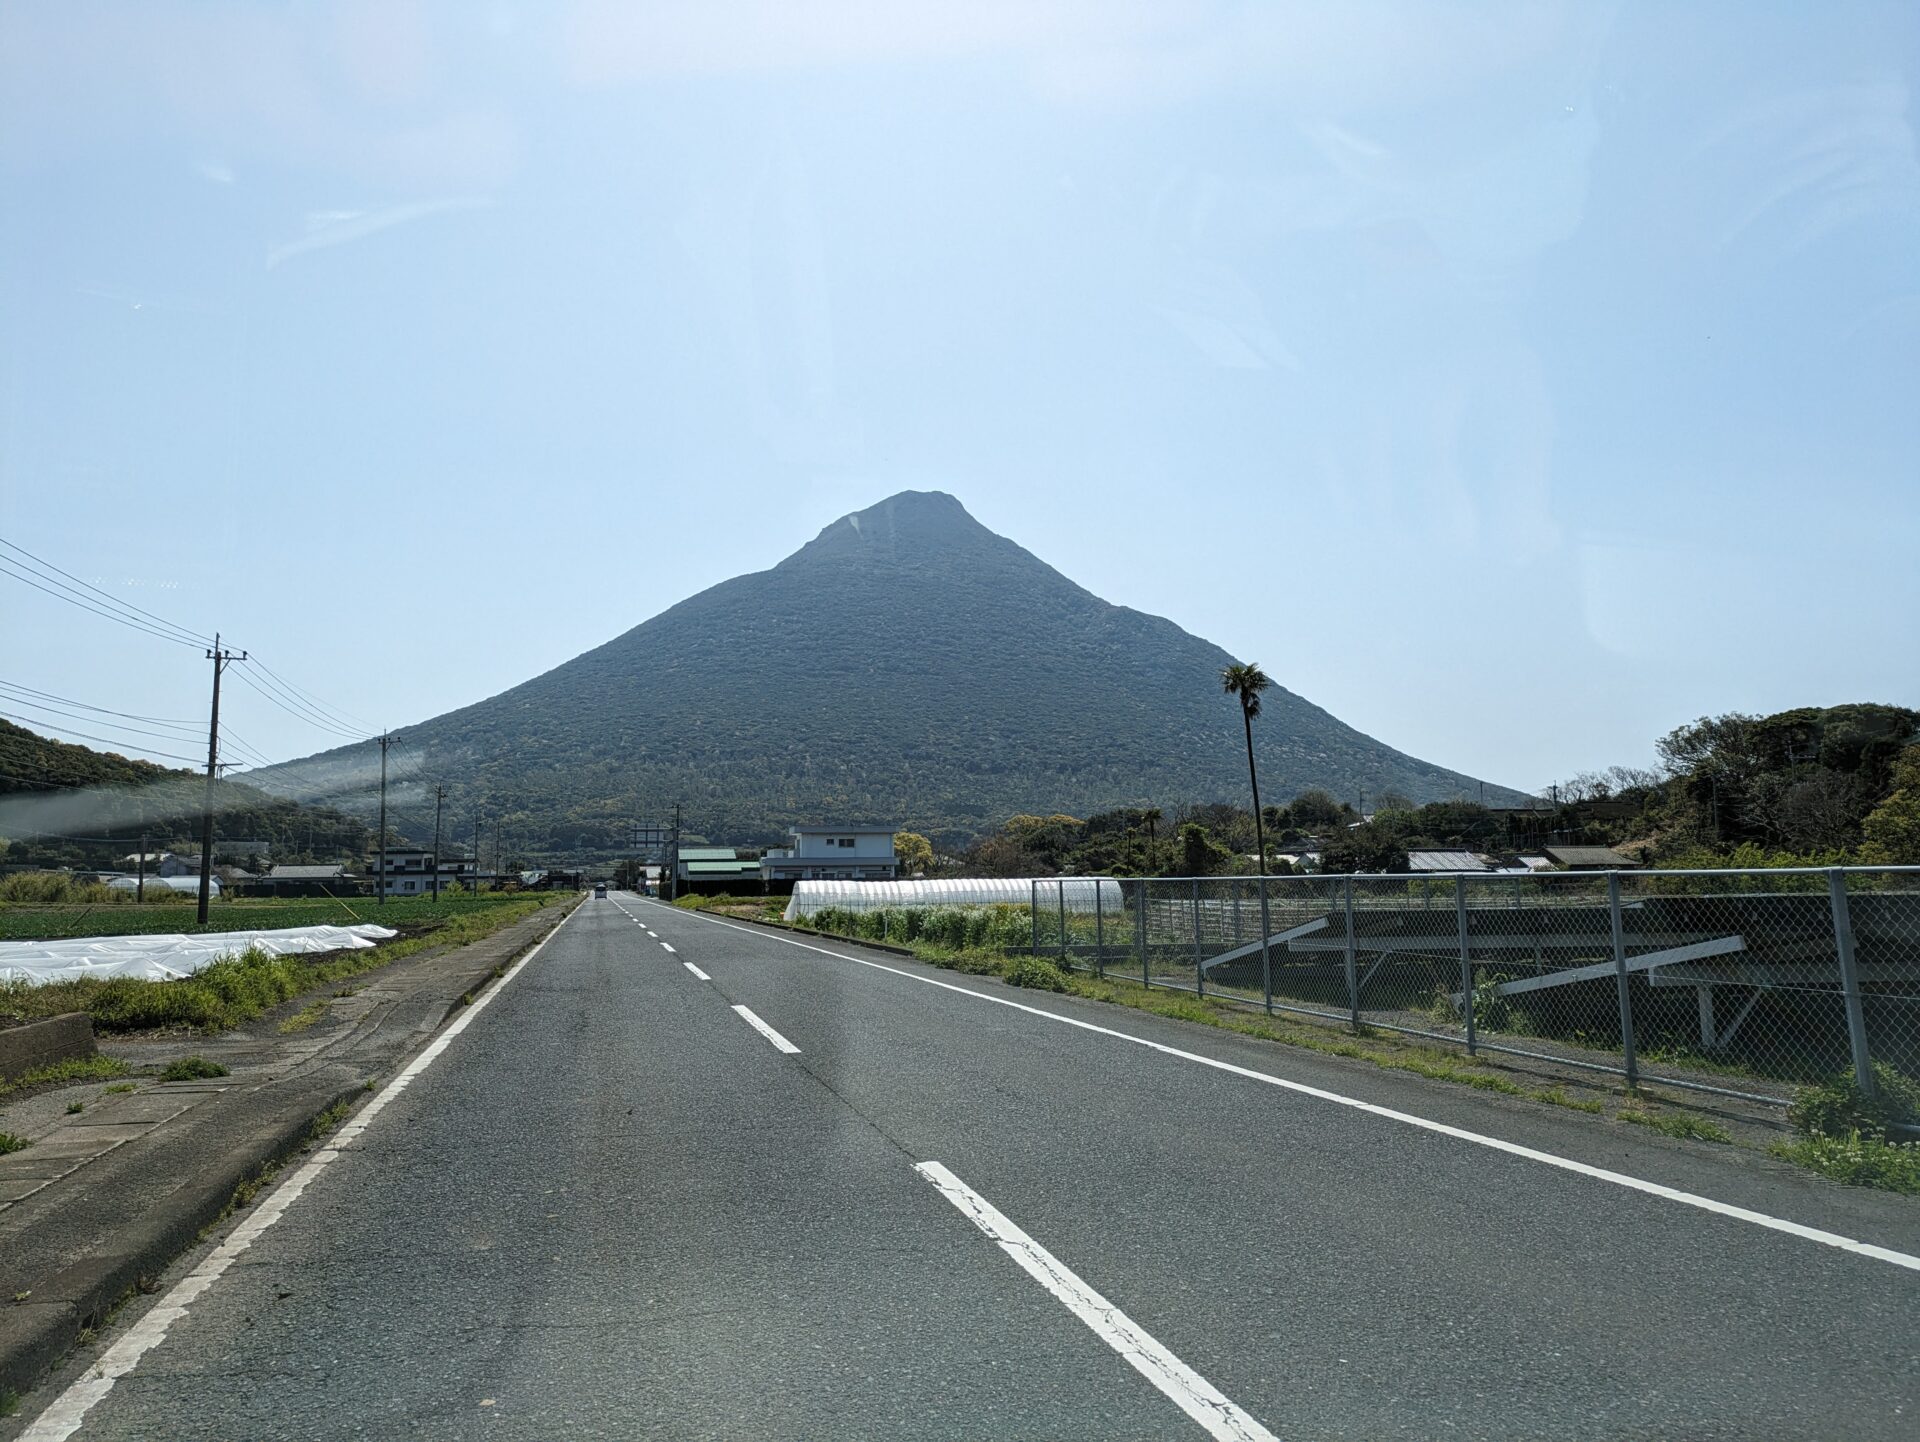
1479, 1139
1191, 1392
67, 1411
768, 1032
696, 971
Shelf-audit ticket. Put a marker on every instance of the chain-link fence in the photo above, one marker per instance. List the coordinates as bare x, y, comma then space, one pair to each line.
1742, 982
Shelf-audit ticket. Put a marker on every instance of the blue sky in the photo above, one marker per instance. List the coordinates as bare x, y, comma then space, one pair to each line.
1516, 381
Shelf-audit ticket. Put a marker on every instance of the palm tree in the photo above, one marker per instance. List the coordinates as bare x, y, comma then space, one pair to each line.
1247, 682
1152, 817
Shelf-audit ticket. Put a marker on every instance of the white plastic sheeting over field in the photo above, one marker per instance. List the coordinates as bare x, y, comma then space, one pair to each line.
164, 958
812, 896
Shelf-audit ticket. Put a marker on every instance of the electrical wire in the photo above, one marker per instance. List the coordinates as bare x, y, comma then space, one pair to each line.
110, 725
298, 716
295, 707
103, 740
104, 710
97, 610
193, 637
345, 718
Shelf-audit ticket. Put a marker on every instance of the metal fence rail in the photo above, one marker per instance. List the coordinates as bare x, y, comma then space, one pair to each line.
1746, 983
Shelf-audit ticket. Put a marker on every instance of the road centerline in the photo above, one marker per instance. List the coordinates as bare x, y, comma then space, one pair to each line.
696, 971
1188, 1390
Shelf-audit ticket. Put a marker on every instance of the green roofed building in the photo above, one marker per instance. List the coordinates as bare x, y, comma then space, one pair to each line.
717, 868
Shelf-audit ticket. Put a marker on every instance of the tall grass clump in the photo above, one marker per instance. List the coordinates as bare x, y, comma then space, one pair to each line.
1000, 927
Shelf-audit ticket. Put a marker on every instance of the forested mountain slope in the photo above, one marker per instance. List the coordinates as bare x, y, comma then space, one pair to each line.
908, 666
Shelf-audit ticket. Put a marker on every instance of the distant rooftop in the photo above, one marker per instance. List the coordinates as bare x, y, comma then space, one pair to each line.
1602, 857
1445, 861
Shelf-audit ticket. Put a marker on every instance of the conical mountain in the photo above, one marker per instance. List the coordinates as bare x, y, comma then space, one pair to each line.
908, 666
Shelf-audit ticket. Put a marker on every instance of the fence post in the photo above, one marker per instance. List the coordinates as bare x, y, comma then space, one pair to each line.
1615, 921
1140, 932
1061, 887
1199, 971
1466, 956
1850, 980
1099, 934
1266, 946
1353, 970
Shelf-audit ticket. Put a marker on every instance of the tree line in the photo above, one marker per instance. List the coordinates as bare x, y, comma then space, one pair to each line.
1816, 786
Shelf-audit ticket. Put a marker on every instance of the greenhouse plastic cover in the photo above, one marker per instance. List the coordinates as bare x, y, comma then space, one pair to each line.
166, 958
812, 896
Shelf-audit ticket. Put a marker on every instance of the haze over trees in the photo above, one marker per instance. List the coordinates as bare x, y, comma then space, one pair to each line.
103, 802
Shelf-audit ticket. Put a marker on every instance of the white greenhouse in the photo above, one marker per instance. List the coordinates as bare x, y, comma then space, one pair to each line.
812, 896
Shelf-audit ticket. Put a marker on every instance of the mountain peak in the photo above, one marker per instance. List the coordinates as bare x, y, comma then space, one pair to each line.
909, 521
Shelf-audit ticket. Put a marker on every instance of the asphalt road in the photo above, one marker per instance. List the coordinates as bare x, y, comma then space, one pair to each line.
614, 1207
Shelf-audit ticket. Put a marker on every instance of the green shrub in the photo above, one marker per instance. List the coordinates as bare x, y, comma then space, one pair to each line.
12, 1142
192, 1068
1038, 973
954, 928
1839, 1108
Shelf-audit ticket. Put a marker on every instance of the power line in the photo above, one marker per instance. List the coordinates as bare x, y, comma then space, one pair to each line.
345, 718
97, 610
110, 725
194, 637
53, 785
103, 740
294, 706
105, 710
312, 713
298, 716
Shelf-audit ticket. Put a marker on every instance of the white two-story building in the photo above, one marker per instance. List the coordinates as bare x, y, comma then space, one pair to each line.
834, 853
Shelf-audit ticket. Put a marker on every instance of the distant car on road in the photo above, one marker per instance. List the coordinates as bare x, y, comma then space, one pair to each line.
600, 889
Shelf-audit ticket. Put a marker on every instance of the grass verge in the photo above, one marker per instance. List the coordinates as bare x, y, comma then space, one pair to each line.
73, 1069
234, 990
1857, 1160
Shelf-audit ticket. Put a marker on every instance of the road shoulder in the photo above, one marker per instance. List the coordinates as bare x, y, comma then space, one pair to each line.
97, 1207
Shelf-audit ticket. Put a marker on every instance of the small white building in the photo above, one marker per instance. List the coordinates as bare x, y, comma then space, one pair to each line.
408, 873
834, 853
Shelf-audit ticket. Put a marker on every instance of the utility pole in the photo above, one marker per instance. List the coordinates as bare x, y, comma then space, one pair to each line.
499, 856
220, 659
476, 853
385, 741
439, 795
140, 887
672, 875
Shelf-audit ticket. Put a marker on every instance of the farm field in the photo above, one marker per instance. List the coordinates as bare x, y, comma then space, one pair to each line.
30, 922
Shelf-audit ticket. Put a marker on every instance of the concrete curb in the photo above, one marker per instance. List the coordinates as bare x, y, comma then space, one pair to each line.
273, 1123
35, 1335
36, 1044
